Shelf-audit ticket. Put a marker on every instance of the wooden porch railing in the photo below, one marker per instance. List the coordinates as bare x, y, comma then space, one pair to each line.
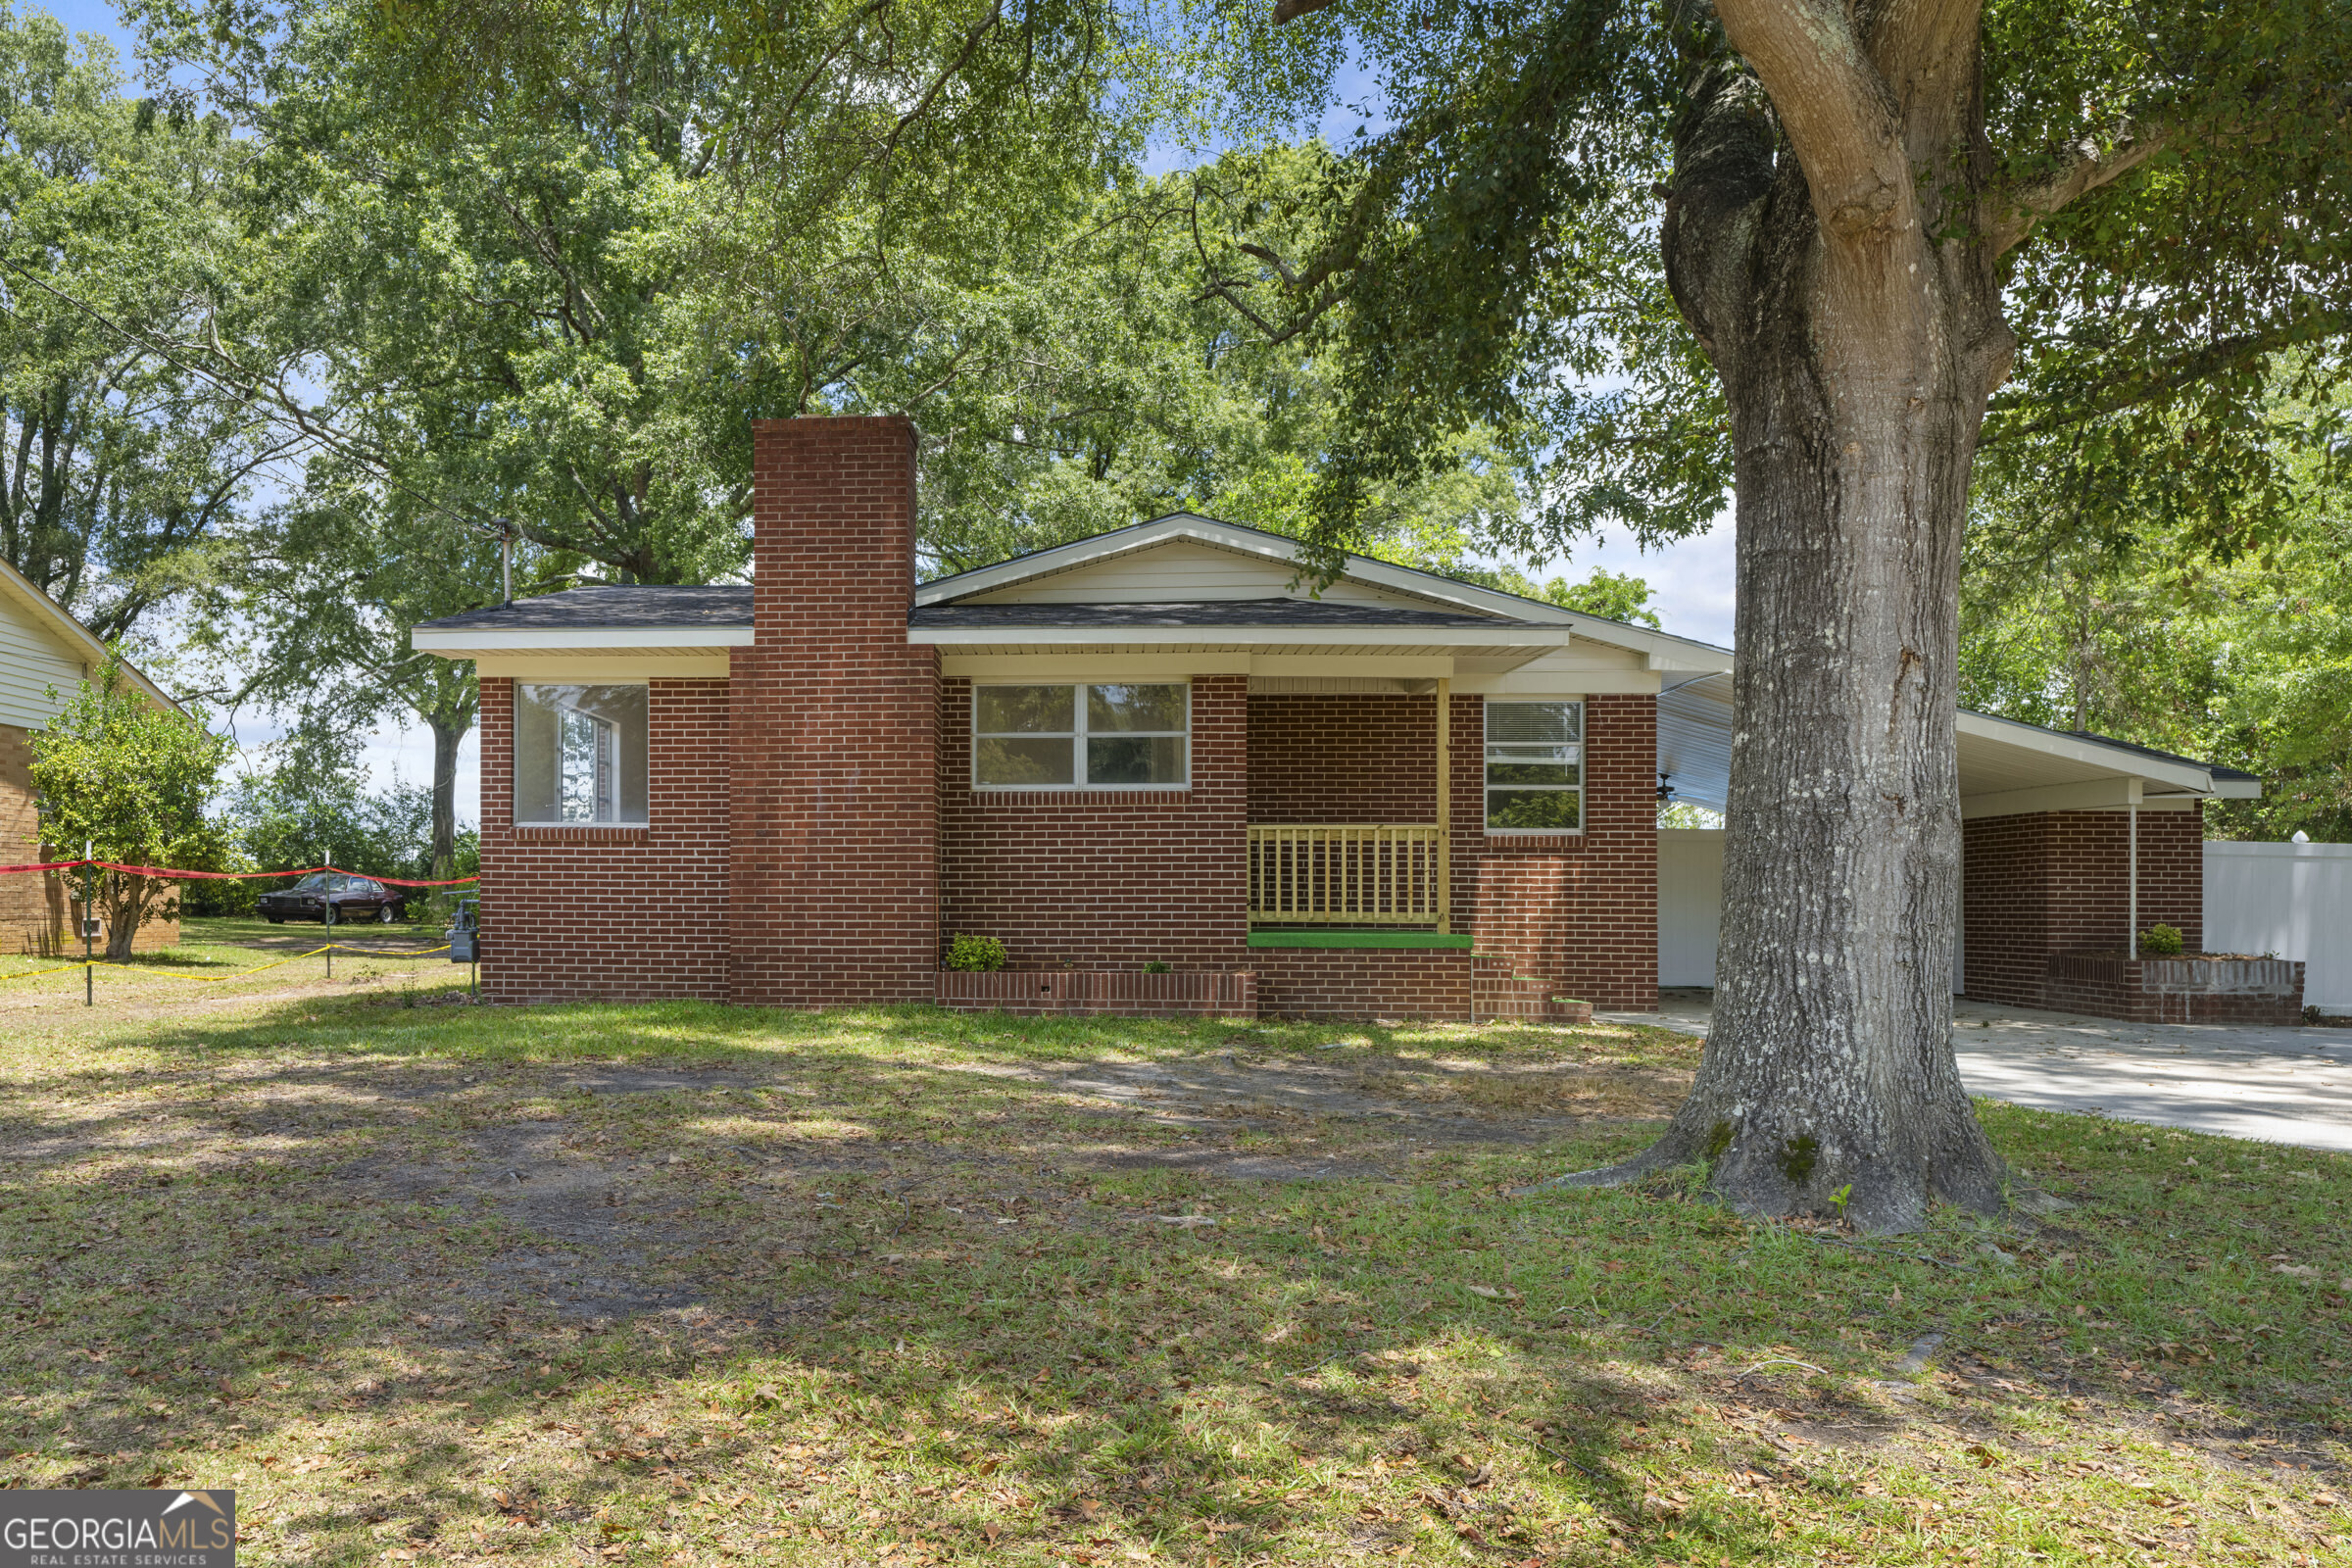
1374, 873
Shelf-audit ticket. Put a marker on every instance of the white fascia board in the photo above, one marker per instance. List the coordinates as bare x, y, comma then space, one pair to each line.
2238, 789
1268, 638
2111, 759
469, 640
1664, 652
597, 667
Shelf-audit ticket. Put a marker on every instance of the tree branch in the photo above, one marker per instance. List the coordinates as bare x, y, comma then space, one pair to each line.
1291, 10
1833, 106
2083, 167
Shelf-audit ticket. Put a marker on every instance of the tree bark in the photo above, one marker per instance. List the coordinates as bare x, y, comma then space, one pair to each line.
448, 735
1858, 343
126, 899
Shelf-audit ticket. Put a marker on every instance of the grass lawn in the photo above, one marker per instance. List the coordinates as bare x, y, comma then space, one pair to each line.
217, 958
431, 1282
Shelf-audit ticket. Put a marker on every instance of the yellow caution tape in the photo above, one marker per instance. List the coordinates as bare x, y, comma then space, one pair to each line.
215, 979
29, 973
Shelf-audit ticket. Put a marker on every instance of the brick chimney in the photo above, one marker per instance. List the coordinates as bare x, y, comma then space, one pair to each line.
833, 723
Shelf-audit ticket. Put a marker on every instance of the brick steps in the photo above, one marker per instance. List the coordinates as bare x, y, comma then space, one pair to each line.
1499, 991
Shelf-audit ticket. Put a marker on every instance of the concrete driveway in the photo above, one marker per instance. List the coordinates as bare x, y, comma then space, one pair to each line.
2283, 1086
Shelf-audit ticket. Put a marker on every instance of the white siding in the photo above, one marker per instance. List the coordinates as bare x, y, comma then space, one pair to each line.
1690, 904
32, 658
2293, 900
1184, 571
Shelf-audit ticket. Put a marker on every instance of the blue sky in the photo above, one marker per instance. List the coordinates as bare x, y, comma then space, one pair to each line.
1692, 580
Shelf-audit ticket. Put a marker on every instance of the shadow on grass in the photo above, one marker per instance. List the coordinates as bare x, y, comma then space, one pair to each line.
568, 1274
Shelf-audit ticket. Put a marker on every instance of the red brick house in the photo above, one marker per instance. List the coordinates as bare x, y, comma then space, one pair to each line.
44, 654
1162, 772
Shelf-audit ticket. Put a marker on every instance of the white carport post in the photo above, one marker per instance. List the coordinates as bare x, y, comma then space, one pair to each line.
2131, 786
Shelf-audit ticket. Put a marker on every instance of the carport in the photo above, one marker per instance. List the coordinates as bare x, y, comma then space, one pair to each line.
2073, 844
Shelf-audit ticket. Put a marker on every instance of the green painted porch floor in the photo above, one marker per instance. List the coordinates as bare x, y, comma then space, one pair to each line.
1359, 938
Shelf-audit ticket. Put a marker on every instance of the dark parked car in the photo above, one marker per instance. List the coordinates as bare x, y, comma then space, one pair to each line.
355, 898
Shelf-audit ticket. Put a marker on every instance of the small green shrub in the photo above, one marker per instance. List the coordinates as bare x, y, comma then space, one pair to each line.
2160, 941
1156, 966
976, 953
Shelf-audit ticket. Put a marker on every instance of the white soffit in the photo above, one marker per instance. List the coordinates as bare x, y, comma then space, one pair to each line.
2004, 765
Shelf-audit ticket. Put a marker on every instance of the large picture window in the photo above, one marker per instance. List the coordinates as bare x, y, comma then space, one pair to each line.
1122, 735
579, 755
1534, 767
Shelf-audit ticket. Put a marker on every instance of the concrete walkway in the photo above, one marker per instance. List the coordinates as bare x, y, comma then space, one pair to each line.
2283, 1086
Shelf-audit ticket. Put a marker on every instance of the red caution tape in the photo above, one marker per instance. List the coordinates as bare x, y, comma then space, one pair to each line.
234, 876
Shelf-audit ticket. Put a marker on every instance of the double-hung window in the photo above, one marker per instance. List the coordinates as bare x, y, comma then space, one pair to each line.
579, 755
1534, 767
1104, 735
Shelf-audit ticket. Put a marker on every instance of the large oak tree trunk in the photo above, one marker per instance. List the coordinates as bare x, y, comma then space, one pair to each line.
1857, 360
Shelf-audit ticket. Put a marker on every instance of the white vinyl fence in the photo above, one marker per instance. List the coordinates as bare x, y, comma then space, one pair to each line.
2293, 900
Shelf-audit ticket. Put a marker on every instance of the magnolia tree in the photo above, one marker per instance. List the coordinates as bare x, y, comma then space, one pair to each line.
129, 777
1809, 248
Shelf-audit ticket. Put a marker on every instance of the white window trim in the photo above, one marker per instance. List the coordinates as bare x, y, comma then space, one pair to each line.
1078, 740
515, 763
1583, 770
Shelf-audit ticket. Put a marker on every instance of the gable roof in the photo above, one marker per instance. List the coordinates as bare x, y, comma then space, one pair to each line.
1437, 593
78, 648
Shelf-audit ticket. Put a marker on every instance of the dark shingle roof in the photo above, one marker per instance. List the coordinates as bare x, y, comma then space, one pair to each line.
1206, 613
727, 604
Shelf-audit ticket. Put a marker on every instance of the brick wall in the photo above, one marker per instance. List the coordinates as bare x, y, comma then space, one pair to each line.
37, 908
1365, 982
1105, 880
2259, 991
2045, 883
32, 904
624, 914
1343, 757
1580, 910
835, 815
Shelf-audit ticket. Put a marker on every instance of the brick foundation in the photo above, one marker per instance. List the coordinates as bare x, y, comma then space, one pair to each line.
1129, 993
1418, 982
2043, 885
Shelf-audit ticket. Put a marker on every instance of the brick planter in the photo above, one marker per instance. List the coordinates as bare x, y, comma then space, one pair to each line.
2183, 990
1129, 993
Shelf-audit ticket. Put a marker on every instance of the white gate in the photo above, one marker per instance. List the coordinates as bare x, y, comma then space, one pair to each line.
2291, 900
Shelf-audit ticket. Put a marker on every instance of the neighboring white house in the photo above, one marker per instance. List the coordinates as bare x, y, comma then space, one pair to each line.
41, 648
